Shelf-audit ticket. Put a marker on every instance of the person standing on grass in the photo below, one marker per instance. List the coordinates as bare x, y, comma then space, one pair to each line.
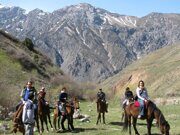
102, 97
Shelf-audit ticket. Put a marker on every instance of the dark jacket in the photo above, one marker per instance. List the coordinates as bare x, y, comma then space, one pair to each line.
128, 94
25, 93
63, 97
101, 96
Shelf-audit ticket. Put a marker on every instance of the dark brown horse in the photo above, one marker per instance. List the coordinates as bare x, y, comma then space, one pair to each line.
132, 112
44, 113
70, 108
17, 120
101, 109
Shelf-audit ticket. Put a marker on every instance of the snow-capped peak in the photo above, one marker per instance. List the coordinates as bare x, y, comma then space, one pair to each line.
1, 6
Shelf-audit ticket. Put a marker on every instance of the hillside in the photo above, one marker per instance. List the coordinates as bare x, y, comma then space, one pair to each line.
18, 64
91, 44
160, 70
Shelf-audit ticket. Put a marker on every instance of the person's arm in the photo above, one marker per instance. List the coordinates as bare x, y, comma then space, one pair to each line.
138, 94
22, 95
24, 113
104, 95
147, 96
35, 93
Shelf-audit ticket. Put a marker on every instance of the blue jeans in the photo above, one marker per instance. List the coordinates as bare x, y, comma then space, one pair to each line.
141, 107
29, 129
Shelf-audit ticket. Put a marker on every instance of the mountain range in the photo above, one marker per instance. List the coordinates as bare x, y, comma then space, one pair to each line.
88, 43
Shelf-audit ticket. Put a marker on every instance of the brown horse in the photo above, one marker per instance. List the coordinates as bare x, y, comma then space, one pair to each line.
44, 113
101, 109
70, 108
151, 112
17, 120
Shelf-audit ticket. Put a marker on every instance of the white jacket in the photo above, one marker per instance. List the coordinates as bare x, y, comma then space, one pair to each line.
28, 113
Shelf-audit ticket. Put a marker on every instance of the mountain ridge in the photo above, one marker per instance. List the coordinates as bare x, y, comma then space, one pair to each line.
92, 44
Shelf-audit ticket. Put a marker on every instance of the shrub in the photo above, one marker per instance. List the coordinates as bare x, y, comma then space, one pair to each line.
29, 44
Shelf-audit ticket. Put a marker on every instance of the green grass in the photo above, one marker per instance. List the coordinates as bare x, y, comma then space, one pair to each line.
113, 121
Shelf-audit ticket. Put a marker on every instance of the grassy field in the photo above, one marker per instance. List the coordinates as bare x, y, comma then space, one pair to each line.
114, 125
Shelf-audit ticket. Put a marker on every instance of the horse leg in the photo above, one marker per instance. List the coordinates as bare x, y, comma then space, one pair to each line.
134, 125
129, 123
37, 119
99, 116
49, 118
122, 117
71, 122
59, 118
42, 126
54, 121
125, 125
149, 124
63, 118
104, 118
45, 120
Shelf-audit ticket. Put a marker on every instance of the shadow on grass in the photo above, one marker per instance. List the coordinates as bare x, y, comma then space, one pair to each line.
154, 134
122, 124
117, 123
78, 130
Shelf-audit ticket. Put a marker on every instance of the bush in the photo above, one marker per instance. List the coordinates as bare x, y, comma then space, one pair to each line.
29, 44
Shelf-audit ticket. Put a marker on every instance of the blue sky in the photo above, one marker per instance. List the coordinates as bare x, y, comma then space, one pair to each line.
127, 7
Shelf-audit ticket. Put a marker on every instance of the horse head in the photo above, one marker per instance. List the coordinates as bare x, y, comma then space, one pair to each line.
165, 127
75, 103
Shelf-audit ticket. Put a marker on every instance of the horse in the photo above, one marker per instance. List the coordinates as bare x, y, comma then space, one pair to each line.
17, 120
44, 113
101, 109
151, 112
70, 108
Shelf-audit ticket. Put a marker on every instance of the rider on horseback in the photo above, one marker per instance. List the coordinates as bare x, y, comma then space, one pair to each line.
25, 93
62, 101
42, 94
142, 95
102, 97
128, 96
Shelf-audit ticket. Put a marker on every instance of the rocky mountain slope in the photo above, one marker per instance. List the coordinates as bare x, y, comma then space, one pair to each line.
89, 43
